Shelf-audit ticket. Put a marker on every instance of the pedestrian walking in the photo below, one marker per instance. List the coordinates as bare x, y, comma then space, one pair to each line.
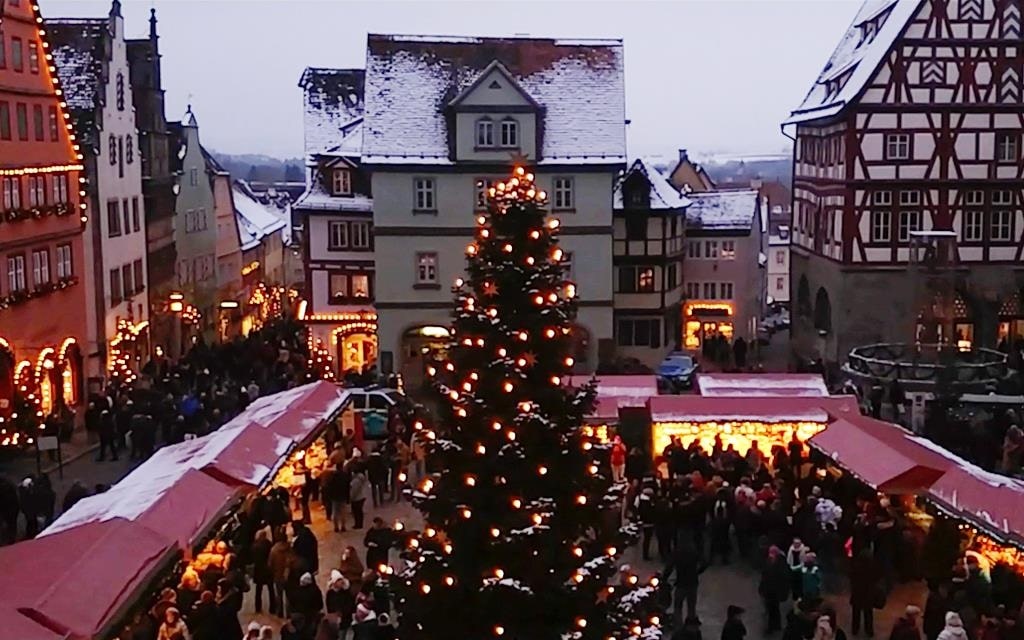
358, 489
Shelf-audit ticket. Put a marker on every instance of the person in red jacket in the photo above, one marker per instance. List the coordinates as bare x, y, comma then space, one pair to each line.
618, 460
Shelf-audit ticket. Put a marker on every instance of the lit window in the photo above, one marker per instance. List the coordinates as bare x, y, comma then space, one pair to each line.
484, 133
341, 182
33, 57
424, 194
360, 285
728, 249
897, 146
509, 133
645, 280
16, 274
338, 283
563, 194
426, 268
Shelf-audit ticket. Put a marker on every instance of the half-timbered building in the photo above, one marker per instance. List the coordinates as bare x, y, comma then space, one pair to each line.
913, 126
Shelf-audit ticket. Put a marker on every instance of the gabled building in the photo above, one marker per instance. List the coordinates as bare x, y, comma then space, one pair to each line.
907, 153
44, 303
91, 58
334, 219
687, 175
724, 276
159, 179
649, 232
444, 115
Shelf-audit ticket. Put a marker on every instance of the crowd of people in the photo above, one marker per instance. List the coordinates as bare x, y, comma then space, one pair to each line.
812, 535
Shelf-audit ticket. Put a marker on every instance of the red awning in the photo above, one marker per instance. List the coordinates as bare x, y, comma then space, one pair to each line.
883, 455
993, 503
297, 413
74, 583
768, 410
762, 385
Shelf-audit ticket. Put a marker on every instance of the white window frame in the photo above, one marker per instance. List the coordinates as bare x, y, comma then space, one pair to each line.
359, 235
711, 249
60, 188
510, 133
1007, 147
16, 274
332, 278
972, 226
12, 192
645, 281
426, 267
728, 250
1001, 220
726, 290
710, 290
881, 225
352, 285
36, 191
341, 182
563, 197
64, 266
693, 249
337, 235
897, 146
484, 133
910, 221
424, 194
40, 267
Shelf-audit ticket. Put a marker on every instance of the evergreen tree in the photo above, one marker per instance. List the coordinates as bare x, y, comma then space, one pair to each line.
521, 528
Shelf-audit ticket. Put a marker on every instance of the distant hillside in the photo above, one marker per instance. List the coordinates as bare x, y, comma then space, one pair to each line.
742, 170
260, 168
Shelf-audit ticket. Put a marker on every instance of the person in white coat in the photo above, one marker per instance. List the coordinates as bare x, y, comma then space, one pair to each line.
954, 629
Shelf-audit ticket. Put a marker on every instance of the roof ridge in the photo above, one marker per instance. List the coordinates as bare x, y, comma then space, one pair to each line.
456, 39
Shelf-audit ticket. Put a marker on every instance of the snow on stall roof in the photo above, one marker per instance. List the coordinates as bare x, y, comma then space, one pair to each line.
663, 195
769, 409
332, 98
856, 56
727, 209
762, 384
411, 79
255, 219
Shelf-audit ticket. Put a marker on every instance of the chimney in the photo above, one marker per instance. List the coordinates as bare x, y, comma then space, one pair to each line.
683, 157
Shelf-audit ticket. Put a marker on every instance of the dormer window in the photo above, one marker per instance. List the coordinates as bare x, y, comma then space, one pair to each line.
341, 182
509, 133
484, 132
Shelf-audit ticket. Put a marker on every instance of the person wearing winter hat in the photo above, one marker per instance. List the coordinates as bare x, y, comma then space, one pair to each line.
172, 626
309, 601
252, 632
340, 602
954, 629
906, 625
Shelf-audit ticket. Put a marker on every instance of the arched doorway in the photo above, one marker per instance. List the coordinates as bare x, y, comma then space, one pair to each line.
421, 344
822, 311
6, 380
355, 346
69, 373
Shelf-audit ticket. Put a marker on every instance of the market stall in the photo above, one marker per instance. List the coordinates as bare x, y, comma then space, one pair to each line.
762, 385
741, 422
614, 393
299, 413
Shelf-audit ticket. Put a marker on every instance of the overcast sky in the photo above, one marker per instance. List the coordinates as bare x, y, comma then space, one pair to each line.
714, 76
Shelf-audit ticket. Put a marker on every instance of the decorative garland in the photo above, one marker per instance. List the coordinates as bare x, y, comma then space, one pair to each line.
24, 295
35, 213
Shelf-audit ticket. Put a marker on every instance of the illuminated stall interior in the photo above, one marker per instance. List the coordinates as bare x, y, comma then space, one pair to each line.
703, 320
613, 393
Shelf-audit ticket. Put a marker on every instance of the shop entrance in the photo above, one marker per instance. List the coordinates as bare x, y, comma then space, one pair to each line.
419, 346
356, 351
699, 331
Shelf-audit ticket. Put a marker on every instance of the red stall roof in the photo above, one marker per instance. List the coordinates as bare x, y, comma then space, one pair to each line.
614, 392
72, 584
885, 457
763, 385
296, 414
769, 410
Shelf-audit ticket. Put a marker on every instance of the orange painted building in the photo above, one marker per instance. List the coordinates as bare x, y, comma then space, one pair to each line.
43, 303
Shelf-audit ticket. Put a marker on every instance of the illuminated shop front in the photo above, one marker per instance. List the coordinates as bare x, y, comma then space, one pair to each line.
349, 337
419, 346
704, 320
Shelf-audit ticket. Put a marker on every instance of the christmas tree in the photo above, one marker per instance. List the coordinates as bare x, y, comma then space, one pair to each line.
521, 530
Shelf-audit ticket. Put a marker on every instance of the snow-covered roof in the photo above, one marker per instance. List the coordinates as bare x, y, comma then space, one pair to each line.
762, 385
727, 209
332, 98
318, 198
255, 219
78, 53
663, 195
861, 50
410, 81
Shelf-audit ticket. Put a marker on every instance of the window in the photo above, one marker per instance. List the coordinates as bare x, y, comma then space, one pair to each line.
112, 149
341, 182
11, 193
780, 257
36, 191
881, 225
897, 146
728, 249
3, 50
426, 268
780, 283
135, 217
563, 195
60, 188
692, 290
120, 157
54, 131
360, 235
120, 91
645, 280
710, 290
33, 57
16, 55
140, 279
360, 285
726, 291
129, 149
567, 265
693, 249
193, 176
115, 287
1007, 147
672, 276
126, 215
37, 122
639, 333
22, 111
711, 249
509, 133
126, 281
972, 226
5, 120
114, 218
40, 267
64, 269
627, 280
1002, 216
337, 235
424, 192
338, 286
195, 220
16, 274
484, 133
909, 221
